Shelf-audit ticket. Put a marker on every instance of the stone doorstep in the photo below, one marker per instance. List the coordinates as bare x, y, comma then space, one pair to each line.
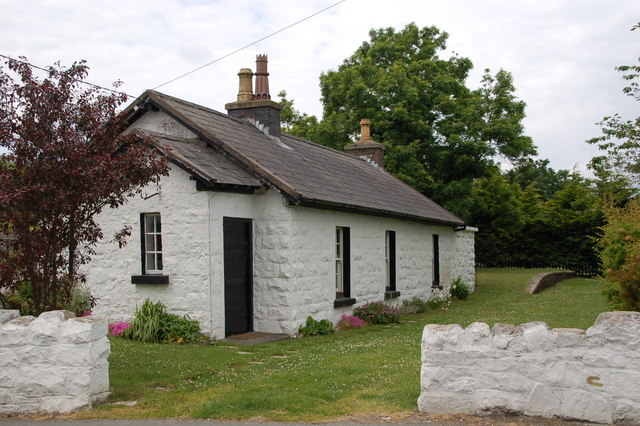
254, 338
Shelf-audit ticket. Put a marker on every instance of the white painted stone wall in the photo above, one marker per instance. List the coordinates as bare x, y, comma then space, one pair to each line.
185, 220
55, 363
313, 265
532, 370
465, 257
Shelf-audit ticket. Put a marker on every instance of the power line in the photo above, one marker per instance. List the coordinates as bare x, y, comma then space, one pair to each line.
249, 45
97, 86
194, 70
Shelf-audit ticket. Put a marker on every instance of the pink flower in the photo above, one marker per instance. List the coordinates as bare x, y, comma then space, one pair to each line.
117, 328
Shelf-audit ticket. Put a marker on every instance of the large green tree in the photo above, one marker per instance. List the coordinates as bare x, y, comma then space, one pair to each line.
447, 140
439, 134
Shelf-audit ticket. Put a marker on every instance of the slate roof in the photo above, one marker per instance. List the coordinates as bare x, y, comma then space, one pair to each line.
308, 174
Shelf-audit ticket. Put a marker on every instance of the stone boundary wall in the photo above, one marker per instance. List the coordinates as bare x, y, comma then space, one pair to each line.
591, 375
55, 363
547, 279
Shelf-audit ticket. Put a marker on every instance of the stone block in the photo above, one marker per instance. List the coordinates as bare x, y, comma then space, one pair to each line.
7, 315
437, 337
46, 329
567, 337
63, 404
542, 401
16, 332
503, 334
84, 329
578, 404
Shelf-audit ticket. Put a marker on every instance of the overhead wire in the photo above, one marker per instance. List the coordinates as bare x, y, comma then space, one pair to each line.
196, 69
249, 45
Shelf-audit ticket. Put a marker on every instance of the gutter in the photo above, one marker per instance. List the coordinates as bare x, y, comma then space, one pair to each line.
349, 208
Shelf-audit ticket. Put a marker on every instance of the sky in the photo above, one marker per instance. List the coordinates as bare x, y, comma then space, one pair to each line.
562, 53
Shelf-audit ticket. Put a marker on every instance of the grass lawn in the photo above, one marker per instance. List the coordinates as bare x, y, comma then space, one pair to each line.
371, 370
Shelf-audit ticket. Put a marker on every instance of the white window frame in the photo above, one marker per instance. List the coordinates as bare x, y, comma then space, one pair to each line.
152, 244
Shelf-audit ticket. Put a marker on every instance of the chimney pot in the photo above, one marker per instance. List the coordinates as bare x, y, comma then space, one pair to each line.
365, 130
262, 78
245, 92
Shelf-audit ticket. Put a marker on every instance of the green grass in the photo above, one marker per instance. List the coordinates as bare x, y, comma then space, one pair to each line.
370, 370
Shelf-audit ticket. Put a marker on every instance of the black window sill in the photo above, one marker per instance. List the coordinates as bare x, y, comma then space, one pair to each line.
344, 301
149, 279
391, 294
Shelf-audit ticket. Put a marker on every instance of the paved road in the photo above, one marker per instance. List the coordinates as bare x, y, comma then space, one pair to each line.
458, 421
169, 422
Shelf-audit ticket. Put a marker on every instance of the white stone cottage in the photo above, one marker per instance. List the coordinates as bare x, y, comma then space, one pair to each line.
254, 229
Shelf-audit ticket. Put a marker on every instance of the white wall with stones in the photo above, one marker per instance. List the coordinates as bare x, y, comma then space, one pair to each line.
591, 375
293, 257
55, 363
312, 269
185, 219
465, 262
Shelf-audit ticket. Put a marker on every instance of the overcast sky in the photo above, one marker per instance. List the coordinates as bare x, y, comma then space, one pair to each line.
562, 53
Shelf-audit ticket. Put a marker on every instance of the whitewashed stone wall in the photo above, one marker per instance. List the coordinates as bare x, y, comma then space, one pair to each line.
54, 363
465, 261
532, 370
185, 218
313, 262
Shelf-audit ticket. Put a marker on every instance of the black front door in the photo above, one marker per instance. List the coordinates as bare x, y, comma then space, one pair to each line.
237, 275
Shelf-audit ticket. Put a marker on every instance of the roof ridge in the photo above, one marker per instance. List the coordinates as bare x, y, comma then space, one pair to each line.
333, 150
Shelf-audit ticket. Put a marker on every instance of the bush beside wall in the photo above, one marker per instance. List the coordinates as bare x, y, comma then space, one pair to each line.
55, 363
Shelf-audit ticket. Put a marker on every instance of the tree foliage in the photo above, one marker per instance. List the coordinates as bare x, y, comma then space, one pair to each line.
66, 160
620, 140
448, 140
620, 254
439, 134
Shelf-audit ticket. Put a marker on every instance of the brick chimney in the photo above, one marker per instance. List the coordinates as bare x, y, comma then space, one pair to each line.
366, 147
258, 107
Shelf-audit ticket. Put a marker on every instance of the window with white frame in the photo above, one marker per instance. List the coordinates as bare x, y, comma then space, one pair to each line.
151, 244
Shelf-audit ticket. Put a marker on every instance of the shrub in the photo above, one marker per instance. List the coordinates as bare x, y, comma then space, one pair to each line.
377, 313
459, 290
152, 324
315, 328
81, 301
19, 298
348, 322
620, 255
414, 306
439, 298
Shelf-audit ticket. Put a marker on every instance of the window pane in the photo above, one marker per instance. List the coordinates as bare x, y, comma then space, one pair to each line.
158, 242
148, 223
149, 244
158, 227
151, 262
159, 266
